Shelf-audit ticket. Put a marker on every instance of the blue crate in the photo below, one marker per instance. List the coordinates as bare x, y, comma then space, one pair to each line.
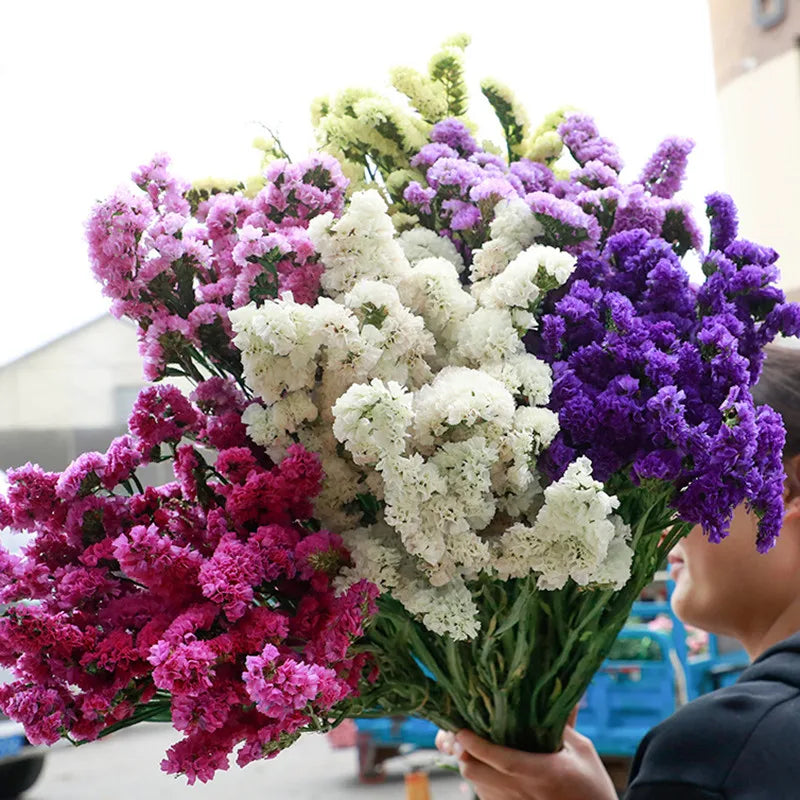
11, 745
626, 698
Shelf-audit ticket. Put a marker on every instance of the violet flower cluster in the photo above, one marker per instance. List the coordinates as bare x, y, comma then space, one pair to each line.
176, 262
652, 376
207, 600
578, 209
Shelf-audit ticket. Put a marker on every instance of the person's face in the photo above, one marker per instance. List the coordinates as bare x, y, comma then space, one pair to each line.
730, 587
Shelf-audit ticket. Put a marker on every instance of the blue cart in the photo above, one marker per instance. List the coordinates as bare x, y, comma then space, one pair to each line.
630, 695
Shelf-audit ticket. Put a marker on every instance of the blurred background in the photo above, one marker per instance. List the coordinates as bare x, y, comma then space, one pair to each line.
90, 90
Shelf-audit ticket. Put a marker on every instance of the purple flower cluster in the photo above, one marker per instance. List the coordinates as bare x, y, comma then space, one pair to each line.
652, 377
664, 172
463, 184
581, 137
176, 263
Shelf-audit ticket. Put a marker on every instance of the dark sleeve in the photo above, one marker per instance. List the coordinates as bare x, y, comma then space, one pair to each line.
671, 791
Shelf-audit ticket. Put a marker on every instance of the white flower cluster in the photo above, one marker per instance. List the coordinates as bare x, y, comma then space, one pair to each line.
278, 342
421, 243
358, 245
433, 290
447, 610
575, 535
397, 338
463, 451
520, 285
372, 419
513, 229
377, 555
417, 391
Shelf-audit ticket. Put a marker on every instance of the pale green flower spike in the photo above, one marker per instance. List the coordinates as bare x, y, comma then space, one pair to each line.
375, 137
512, 116
426, 96
447, 68
544, 144
397, 181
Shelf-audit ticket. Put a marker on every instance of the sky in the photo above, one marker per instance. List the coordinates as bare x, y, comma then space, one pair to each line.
90, 90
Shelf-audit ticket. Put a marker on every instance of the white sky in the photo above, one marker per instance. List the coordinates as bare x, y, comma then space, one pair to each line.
89, 90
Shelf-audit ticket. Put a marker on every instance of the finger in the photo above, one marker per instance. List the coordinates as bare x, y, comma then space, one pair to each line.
445, 741
573, 717
576, 741
487, 781
500, 758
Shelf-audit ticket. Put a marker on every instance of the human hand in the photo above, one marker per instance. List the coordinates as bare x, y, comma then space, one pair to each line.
499, 773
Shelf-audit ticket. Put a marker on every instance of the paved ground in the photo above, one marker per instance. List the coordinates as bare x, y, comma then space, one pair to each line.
125, 767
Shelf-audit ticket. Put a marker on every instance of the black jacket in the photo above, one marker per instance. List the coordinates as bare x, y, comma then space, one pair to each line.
738, 743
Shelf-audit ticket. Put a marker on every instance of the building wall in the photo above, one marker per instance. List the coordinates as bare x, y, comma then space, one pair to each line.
71, 383
758, 81
86, 379
71, 396
760, 114
748, 33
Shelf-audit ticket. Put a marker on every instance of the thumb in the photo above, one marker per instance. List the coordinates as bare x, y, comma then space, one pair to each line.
573, 716
503, 759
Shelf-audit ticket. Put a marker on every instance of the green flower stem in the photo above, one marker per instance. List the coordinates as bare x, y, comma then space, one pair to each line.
518, 681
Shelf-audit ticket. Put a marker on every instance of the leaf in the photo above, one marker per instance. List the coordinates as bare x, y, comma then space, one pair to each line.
519, 607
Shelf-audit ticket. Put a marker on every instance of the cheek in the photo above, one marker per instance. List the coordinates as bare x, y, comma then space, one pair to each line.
709, 587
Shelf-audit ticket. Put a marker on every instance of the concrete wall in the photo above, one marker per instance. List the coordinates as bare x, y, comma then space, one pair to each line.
760, 115
56, 448
86, 379
757, 64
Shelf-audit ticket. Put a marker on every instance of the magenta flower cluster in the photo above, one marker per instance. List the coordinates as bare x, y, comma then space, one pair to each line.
463, 184
207, 601
176, 262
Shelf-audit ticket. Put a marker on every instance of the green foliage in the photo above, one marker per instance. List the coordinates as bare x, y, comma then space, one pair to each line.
374, 315
676, 232
205, 189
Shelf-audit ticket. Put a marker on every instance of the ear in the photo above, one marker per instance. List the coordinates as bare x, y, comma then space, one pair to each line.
791, 489
791, 510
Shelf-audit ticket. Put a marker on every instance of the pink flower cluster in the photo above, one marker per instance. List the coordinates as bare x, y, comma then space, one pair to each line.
295, 193
177, 267
207, 601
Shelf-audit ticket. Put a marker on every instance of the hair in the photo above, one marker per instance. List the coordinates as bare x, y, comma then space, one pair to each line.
779, 387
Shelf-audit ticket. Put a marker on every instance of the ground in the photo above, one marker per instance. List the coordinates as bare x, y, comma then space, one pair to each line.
126, 767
